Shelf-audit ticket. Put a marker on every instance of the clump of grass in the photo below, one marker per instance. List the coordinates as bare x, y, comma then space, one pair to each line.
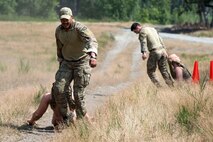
24, 66
84, 131
3, 67
53, 58
204, 33
185, 117
105, 38
188, 115
16, 106
38, 95
52, 62
1, 119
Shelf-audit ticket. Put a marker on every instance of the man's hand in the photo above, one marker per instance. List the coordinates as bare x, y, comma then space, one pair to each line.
165, 54
144, 56
93, 62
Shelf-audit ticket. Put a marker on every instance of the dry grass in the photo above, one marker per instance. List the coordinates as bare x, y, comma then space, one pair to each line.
139, 113
143, 113
28, 61
204, 33
117, 71
28, 52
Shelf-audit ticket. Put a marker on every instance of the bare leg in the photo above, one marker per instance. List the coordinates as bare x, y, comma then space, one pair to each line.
41, 109
179, 73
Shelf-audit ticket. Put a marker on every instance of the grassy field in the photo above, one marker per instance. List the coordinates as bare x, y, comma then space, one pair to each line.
138, 113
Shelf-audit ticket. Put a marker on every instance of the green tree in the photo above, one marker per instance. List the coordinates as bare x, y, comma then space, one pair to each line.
110, 9
38, 8
28, 8
7, 7
204, 10
155, 11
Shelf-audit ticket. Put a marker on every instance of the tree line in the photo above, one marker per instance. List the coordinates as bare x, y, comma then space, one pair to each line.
161, 12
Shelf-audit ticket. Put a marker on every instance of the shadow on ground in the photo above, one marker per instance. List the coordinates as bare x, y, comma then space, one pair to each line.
29, 129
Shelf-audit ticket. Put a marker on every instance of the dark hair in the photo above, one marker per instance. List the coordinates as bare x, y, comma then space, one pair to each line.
134, 25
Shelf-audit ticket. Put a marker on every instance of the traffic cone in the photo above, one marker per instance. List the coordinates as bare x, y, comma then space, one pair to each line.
211, 71
195, 75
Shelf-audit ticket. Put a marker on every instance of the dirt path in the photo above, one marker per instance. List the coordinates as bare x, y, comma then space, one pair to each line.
97, 94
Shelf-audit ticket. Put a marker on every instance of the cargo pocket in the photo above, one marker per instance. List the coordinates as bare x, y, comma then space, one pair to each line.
83, 77
86, 76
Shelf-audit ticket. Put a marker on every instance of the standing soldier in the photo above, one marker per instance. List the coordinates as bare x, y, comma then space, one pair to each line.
76, 52
151, 41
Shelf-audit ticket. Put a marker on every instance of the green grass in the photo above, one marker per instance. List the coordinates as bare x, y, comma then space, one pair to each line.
185, 117
203, 33
192, 57
24, 66
39, 94
3, 67
189, 113
105, 38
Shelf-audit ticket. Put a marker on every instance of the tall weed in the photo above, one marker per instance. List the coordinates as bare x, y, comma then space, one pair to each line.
3, 67
105, 38
24, 66
188, 114
38, 94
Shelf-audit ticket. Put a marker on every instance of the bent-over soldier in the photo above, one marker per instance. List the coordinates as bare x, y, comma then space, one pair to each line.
152, 42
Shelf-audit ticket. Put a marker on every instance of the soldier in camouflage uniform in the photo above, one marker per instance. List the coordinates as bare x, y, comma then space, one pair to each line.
151, 41
76, 52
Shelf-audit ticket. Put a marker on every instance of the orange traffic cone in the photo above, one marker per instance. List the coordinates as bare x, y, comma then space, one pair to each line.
195, 75
211, 71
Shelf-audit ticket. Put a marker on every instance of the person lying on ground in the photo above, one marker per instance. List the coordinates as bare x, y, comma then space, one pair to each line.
178, 71
57, 119
45, 102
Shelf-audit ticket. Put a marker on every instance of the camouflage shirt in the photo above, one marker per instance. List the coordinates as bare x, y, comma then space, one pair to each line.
75, 43
150, 39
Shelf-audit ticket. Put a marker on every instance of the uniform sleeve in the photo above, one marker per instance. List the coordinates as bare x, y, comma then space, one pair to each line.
143, 41
161, 41
59, 47
88, 37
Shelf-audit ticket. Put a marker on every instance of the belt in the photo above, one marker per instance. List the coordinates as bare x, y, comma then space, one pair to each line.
76, 60
153, 49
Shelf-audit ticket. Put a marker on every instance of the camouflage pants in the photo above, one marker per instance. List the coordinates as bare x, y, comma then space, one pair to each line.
155, 59
79, 73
